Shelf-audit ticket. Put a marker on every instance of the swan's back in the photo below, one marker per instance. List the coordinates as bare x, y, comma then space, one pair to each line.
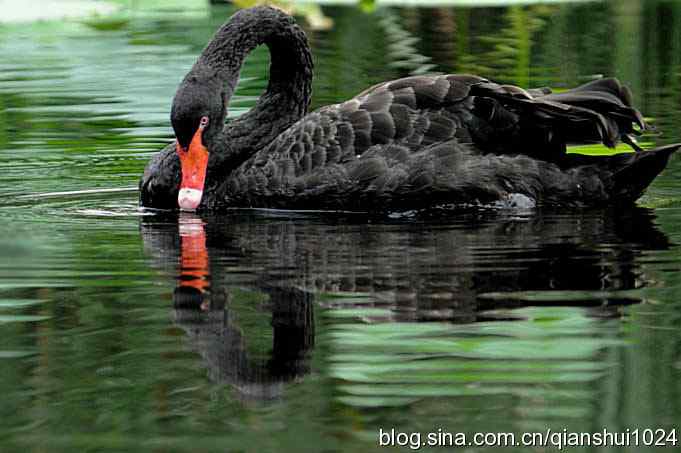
454, 138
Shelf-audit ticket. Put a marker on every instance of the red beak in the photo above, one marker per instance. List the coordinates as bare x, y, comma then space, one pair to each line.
194, 162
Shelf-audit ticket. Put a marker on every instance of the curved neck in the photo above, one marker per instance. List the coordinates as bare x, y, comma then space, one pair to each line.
288, 92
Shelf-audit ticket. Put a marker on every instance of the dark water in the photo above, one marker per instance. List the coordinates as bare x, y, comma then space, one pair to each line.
314, 330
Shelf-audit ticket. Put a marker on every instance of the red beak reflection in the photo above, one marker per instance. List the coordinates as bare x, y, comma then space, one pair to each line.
194, 262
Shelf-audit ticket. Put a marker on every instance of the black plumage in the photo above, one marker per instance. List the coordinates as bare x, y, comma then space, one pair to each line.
400, 145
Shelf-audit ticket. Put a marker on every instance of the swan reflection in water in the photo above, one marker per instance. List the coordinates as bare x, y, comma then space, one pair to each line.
284, 265
201, 305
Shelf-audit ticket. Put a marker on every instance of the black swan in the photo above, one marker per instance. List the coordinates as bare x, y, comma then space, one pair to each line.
407, 144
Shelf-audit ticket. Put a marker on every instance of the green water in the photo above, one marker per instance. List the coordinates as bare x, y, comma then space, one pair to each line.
316, 331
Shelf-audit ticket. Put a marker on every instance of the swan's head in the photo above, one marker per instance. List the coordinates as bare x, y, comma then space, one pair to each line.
198, 112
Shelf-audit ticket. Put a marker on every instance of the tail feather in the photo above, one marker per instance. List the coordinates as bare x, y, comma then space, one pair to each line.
631, 174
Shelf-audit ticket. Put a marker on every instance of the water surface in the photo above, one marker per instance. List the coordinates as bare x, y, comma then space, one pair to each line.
124, 330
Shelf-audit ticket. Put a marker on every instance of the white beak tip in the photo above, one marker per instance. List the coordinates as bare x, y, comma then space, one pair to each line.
189, 199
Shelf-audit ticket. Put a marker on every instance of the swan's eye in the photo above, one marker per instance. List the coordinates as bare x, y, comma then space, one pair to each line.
204, 122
